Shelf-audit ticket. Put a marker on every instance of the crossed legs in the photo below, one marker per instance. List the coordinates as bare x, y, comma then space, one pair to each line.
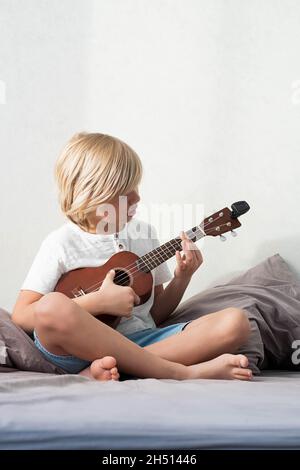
65, 328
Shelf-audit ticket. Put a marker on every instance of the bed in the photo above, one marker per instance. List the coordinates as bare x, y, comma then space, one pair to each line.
43, 408
43, 411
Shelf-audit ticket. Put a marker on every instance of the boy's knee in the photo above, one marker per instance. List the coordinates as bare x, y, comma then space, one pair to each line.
55, 311
236, 324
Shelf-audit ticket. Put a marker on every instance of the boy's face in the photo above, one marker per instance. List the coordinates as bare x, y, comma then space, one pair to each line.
125, 207
133, 199
113, 216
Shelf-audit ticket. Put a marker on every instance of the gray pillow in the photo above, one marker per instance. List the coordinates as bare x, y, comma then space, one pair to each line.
270, 294
17, 350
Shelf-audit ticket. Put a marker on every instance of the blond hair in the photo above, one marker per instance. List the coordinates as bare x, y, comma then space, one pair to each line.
93, 169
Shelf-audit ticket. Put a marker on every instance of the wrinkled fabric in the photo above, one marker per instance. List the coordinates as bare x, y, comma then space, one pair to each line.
270, 295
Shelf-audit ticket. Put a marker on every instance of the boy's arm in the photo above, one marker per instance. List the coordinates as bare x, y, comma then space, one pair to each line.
111, 298
94, 303
166, 300
24, 310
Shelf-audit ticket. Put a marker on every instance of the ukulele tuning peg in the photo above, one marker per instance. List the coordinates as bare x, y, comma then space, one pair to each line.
233, 233
222, 238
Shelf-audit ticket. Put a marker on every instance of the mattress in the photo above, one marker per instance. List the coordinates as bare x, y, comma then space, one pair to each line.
44, 411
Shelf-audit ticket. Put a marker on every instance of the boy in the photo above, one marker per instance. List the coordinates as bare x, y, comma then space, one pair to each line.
92, 172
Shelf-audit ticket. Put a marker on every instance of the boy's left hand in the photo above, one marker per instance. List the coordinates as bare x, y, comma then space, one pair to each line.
189, 260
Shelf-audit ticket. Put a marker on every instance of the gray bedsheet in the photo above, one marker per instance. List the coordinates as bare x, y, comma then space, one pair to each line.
40, 411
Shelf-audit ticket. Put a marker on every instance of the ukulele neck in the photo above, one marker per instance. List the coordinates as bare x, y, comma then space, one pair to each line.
166, 251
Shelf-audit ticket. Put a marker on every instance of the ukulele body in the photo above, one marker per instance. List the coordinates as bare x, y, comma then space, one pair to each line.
84, 280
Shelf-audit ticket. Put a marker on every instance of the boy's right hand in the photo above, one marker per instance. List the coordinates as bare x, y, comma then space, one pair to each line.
118, 300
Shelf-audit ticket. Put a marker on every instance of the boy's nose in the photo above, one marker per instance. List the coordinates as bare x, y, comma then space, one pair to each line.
135, 197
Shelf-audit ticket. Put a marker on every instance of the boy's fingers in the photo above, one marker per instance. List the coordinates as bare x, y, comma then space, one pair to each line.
188, 255
185, 245
184, 236
193, 246
179, 259
110, 276
191, 253
137, 300
189, 245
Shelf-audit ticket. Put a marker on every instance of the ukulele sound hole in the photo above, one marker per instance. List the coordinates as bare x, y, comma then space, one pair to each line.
122, 278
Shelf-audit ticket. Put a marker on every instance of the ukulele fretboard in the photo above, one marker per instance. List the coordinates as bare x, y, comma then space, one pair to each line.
166, 251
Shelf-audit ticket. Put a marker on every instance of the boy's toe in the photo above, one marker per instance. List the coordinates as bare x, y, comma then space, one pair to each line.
108, 362
243, 360
242, 374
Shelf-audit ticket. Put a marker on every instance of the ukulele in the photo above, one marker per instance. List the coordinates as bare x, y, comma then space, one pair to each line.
135, 271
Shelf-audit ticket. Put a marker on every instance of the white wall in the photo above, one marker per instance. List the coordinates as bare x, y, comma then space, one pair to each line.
205, 91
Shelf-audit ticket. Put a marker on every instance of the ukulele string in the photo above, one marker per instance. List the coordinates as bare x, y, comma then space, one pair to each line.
133, 265
131, 269
137, 271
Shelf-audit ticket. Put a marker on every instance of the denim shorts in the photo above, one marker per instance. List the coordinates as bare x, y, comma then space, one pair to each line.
73, 364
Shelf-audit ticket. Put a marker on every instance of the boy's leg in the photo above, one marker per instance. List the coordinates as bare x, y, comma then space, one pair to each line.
205, 338
65, 328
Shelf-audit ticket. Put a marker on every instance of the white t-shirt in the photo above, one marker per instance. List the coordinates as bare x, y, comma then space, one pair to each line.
69, 247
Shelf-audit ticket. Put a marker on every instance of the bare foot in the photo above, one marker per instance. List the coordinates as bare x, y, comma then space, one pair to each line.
102, 369
226, 366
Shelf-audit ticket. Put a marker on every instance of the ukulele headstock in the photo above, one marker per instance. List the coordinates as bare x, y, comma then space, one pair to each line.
225, 220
